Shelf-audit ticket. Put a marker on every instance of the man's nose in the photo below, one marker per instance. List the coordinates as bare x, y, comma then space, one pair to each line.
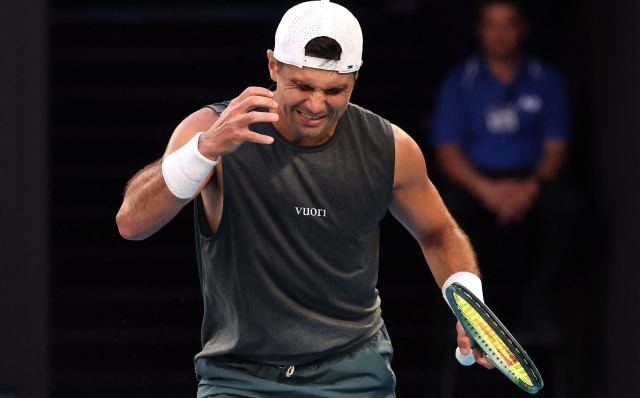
315, 103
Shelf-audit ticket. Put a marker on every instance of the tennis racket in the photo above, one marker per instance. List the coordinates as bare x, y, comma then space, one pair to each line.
489, 334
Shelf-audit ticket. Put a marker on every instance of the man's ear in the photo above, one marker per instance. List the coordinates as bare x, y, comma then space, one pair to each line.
358, 71
273, 66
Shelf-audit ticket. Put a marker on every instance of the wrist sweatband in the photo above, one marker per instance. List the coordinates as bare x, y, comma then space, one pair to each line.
185, 169
466, 279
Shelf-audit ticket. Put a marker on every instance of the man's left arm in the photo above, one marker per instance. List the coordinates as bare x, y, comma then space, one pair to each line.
554, 134
417, 205
555, 127
554, 153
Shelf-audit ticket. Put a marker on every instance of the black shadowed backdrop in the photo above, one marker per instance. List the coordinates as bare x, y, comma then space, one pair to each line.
90, 93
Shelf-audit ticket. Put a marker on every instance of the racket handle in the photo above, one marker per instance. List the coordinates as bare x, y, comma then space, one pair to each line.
466, 360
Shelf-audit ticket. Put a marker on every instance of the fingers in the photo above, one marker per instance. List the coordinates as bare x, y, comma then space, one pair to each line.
517, 209
231, 129
255, 101
252, 98
241, 123
463, 341
255, 117
241, 108
511, 209
477, 354
258, 138
253, 91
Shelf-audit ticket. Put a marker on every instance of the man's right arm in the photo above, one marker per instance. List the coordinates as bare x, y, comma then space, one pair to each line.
456, 166
148, 203
497, 195
448, 134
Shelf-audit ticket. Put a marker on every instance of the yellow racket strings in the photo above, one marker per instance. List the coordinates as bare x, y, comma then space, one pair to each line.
488, 334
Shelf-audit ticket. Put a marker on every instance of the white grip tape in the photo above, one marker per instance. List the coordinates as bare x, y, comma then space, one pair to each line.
185, 169
466, 360
466, 279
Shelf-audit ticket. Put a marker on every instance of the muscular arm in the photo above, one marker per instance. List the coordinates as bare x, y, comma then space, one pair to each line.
148, 204
418, 206
455, 165
509, 199
554, 153
495, 195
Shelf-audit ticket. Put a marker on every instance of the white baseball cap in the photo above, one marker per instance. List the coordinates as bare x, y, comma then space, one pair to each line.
312, 19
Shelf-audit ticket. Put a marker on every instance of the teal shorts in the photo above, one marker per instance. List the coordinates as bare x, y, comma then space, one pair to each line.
363, 372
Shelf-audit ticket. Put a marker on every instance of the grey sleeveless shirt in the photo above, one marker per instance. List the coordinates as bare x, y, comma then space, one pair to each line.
290, 275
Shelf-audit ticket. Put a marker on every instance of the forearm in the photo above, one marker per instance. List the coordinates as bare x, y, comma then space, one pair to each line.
148, 204
553, 156
449, 252
455, 165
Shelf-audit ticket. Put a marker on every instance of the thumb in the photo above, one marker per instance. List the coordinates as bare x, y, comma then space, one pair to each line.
464, 344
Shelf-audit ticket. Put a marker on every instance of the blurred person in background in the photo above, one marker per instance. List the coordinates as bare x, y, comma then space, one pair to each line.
501, 136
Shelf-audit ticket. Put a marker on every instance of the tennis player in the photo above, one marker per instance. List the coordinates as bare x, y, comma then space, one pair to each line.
289, 189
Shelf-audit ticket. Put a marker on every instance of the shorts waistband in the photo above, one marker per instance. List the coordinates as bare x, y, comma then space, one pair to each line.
320, 361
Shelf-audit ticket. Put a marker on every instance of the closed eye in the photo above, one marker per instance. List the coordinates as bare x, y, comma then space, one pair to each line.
329, 91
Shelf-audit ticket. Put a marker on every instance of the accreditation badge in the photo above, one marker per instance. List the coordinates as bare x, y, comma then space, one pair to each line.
503, 118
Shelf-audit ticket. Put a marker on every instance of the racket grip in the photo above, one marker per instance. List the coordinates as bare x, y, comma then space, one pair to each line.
466, 360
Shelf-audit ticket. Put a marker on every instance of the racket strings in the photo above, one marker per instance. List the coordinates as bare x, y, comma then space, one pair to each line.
492, 341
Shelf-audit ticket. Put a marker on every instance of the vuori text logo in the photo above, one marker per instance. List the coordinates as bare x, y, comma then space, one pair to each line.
309, 211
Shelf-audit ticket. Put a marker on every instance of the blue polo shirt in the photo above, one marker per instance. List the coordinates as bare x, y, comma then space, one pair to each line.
500, 127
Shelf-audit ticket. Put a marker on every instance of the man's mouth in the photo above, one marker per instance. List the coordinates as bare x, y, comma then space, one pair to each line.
311, 117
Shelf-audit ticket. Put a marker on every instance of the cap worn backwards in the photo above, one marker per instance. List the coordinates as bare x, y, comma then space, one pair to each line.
312, 19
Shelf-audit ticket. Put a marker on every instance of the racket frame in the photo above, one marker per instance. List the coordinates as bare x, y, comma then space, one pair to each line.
507, 338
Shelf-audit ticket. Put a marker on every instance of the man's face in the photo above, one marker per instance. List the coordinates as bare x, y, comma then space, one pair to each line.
310, 101
500, 30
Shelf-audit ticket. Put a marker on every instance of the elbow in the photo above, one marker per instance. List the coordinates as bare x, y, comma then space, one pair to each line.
439, 237
127, 229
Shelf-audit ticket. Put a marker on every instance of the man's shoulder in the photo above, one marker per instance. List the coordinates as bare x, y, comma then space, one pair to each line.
371, 121
463, 75
218, 107
351, 107
357, 110
540, 70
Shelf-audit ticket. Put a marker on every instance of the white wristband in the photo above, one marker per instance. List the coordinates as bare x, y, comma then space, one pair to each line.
466, 279
185, 169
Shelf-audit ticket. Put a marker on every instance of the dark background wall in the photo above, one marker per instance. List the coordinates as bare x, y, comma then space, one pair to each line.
616, 81
123, 317
24, 255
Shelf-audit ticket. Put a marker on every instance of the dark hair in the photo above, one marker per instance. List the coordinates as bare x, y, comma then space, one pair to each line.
512, 3
323, 47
